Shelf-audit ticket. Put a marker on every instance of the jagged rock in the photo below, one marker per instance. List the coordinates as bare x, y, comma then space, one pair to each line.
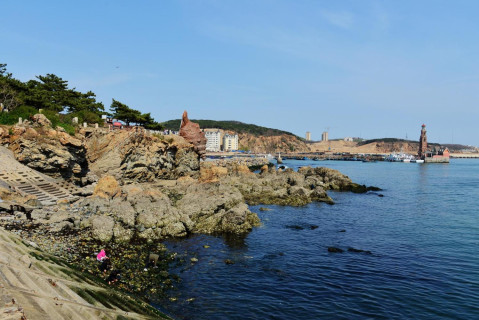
192, 133
216, 208
54, 153
140, 210
7, 194
135, 156
17, 130
40, 120
212, 173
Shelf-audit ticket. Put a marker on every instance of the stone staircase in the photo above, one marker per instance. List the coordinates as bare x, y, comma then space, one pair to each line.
36, 285
28, 181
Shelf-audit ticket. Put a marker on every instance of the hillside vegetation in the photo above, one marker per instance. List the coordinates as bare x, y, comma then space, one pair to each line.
236, 126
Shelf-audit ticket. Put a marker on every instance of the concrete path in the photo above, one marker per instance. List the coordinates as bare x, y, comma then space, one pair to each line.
40, 288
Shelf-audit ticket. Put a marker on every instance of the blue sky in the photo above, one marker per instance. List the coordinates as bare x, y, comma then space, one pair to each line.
360, 68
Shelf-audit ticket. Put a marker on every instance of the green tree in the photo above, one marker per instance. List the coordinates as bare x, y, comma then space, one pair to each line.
124, 113
9, 89
50, 93
84, 102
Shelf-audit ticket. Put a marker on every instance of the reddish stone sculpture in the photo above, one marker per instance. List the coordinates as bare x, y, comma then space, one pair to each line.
192, 133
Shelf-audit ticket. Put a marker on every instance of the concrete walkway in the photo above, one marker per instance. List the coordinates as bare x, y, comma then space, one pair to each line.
40, 288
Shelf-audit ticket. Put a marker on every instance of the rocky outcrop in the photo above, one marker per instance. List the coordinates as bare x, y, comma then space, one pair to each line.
39, 120
141, 212
135, 156
146, 213
272, 144
49, 151
192, 133
216, 208
288, 187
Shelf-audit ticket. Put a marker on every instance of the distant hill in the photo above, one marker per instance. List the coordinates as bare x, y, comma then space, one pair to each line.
236, 126
392, 140
451, 147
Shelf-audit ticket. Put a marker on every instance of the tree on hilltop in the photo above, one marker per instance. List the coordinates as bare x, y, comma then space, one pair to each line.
52, 93
124, 113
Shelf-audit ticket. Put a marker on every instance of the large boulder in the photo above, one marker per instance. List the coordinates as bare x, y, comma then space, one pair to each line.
216, 208
102, 227
107, 187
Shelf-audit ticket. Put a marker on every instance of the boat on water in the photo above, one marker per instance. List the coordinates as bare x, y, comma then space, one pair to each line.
417, 161
400, 157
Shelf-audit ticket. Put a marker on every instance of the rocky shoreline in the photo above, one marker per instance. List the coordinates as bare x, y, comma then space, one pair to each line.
138, 190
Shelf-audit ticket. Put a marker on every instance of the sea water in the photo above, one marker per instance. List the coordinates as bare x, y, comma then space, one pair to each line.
423, 238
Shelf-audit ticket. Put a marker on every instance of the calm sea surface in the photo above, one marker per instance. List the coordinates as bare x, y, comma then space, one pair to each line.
424, 263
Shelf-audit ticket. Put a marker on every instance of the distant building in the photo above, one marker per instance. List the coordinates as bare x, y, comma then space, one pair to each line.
308, 136
213, 140
325, 136
230, 142
348, 139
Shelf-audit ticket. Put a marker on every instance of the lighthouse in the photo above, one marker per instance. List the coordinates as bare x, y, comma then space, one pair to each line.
422, 143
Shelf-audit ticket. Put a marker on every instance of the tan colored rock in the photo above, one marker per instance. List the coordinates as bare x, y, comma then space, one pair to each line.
264, 169
241, 169
9, 195
140, 157
31, 133
40, 120
192, 133
185, 181
212, 173
107, 188
52, 133
17, 130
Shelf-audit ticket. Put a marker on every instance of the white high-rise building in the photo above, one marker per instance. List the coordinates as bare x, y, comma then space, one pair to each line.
325, 136
230, 142
213, 140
